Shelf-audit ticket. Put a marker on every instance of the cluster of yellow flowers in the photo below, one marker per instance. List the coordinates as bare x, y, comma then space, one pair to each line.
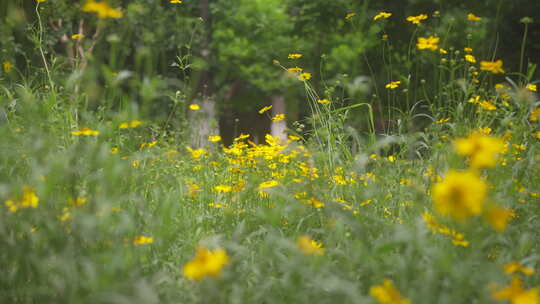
29, 199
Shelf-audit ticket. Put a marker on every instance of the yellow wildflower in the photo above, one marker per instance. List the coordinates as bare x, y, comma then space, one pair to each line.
430, 43
194, 107
516, 294
268, 184
134, 123
175, 1
535, 115
494, 67
459, 195
197, 153
515, 267
294, 56
102, 9
142, 240
85, 132
417, 19
443, 120
223, 188
393, 84
473, 17
382, 15
499, 217
65, 216
324, 101
387, 293
304, 76
294, 70
467, 50
40, 1
443, 51
482, 150
77, 36
470, 58
214, 138
487, 105
350, 15
309, 246
265, 109
531, 87
7, 66
392, 158
206, 263
278, 117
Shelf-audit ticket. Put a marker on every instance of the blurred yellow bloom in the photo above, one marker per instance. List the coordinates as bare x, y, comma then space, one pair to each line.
7, 66
430, 43
535, 115
443, 51
206, 263
309, 246
223, 188
65, 216
468, 50
494, 67
197, 153
350, 15
304, 76
294, 56
470, 58
143, 240
531, 87
127, 125
383, 15
324, 101
214, 138
387, 293
268, 184
473, 17
417, 19
499, 217
102, 9
194, 107
40, 1
278, 117
77, 36
393, 84
487, 105
515, 267
294, 70
85, 132
443, 120
459, 195
392, 158
516, 294
134, 123
482, 150
265, 109
176, 1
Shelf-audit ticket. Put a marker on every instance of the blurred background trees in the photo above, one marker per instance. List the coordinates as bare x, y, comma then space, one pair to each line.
228, 56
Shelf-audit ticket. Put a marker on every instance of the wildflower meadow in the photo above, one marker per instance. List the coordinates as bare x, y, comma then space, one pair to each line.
269, 151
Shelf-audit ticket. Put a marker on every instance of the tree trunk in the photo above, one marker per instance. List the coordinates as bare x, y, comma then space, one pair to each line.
278, 127
204, 122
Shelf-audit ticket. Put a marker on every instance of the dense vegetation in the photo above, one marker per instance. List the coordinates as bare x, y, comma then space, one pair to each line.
269, 151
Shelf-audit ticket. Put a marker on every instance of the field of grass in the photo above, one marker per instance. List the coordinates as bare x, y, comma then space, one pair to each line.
107, 206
